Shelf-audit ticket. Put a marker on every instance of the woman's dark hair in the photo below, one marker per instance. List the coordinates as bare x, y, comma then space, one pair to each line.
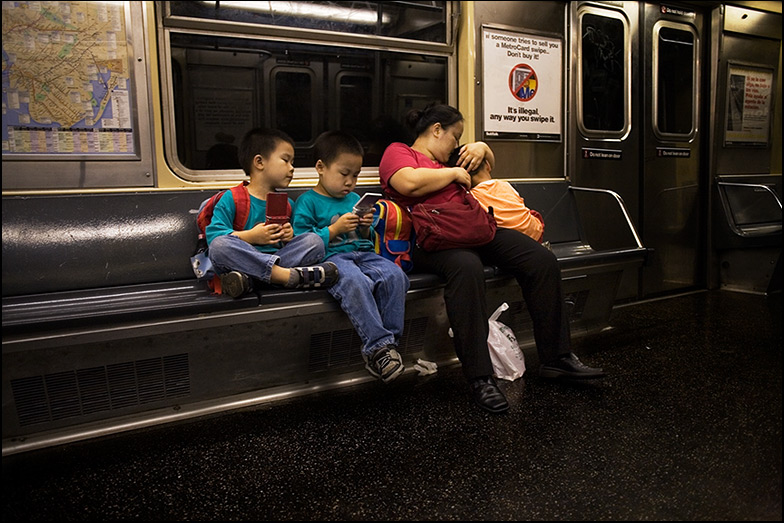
421, 119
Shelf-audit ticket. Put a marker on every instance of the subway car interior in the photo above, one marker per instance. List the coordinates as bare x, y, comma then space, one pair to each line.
647, 135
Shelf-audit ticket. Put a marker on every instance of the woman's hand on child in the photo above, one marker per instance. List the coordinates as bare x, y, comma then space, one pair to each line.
472, 155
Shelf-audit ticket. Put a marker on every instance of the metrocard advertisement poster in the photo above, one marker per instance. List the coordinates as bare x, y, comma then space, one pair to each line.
522, 77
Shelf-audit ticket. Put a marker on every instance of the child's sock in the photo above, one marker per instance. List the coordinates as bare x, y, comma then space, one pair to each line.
313, 277
294, 279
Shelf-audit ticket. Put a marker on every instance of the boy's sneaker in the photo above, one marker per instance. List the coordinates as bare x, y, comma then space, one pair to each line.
385, 364
235, 284
318, 276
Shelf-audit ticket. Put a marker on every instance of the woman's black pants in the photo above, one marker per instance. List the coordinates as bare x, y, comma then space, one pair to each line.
537, 272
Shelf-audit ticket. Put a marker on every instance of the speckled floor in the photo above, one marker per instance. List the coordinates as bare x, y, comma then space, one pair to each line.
687, 427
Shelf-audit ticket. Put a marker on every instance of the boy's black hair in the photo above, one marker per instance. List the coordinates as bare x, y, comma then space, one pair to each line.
331, 144
452, 162
260, 141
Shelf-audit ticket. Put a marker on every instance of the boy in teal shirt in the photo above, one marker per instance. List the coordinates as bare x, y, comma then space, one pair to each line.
259, 251
371, 289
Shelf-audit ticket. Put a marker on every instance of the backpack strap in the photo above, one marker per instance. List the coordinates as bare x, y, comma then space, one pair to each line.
242, 204
242, 211
205, 213
538, 216
214, 284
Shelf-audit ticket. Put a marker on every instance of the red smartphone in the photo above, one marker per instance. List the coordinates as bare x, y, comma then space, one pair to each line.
277, 208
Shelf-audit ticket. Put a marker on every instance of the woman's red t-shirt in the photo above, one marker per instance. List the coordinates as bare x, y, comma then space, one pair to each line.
399, 155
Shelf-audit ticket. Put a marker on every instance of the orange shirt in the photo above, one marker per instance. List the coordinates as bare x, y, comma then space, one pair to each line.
508, 207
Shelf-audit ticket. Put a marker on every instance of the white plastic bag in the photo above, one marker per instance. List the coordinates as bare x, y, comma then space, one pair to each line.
508, 360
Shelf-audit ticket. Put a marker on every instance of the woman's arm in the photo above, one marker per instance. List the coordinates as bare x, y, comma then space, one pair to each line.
421, 181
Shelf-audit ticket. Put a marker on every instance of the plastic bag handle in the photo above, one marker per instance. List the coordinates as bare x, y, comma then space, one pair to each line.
501, 308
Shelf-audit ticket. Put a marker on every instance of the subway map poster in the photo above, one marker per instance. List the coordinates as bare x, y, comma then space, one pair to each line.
66, 80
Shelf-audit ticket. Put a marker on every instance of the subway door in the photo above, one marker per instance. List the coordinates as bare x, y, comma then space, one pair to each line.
672, 43
603, 127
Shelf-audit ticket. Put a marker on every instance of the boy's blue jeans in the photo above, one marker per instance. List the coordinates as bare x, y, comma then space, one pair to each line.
229, 253
372, 292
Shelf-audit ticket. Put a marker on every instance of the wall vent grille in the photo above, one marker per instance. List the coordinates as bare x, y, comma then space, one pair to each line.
81, 392
341, 348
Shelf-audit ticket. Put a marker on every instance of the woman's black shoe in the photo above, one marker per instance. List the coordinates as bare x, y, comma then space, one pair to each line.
569, 366
488, 396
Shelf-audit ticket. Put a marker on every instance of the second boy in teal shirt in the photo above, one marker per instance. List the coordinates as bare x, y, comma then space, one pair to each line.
371, 289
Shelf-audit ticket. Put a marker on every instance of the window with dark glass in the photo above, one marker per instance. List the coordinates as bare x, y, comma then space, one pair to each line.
224, 86
303, 67
603, 73
355, 102
294, 105
675, 83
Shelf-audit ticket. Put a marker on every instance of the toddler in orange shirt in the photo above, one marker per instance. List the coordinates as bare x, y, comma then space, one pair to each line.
508, 206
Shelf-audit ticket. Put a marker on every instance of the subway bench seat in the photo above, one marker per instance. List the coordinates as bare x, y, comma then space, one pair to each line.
106, 329
747, 232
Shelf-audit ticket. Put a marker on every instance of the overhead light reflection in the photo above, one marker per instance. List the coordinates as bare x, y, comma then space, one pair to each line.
332, 13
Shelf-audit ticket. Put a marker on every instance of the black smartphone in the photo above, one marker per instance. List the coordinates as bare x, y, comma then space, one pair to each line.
277, 208
366, 203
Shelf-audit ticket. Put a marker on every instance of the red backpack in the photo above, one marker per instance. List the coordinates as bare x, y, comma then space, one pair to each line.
241, 203
202, 266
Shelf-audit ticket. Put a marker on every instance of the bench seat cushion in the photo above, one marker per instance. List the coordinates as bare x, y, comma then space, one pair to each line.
104, 306
108, 305
577, 254
130, 261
